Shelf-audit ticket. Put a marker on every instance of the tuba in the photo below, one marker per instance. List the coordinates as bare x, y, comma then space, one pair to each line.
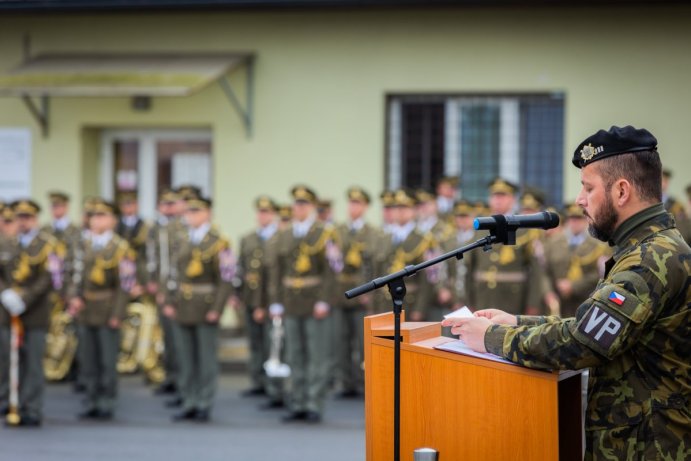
61, 343
273, 367
141, 343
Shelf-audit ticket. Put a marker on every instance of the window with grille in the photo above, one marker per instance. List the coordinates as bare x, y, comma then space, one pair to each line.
517, 137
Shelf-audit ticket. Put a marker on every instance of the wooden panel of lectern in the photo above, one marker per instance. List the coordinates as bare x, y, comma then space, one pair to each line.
464, 407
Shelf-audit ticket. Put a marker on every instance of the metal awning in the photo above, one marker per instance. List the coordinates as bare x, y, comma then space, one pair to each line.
123, 75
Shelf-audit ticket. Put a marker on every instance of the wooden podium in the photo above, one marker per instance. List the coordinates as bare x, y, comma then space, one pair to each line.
464, 407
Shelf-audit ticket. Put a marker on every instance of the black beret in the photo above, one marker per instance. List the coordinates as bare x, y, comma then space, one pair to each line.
616, 141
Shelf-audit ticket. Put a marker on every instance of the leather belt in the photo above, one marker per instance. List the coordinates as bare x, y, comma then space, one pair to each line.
99, 295
301, 282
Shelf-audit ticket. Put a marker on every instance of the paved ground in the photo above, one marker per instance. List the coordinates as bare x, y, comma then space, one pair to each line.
142, 430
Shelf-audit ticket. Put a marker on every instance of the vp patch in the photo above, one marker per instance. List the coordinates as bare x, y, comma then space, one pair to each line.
600, 326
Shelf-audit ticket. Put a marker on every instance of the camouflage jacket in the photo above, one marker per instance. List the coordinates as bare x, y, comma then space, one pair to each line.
633, 332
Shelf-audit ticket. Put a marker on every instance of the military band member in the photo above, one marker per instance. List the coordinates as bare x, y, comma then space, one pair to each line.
507, 276
552, 252
205, 268
25, 289
356, 241
586, 262
135, 230
161, 246
8, 235
285, 215
464, 214
406, 246
255, 251
632, 330
301, 280
66, 233
98, 299
675, 207
387, 202
441, 276
446, 190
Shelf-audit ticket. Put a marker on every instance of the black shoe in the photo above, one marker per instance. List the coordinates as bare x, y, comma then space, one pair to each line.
174, 403
253, 392
79, 388
187, 415
272, 405
166, 388
348, 394
105, 415
313, 417
294, 416
4, 410
93, 413
202, 416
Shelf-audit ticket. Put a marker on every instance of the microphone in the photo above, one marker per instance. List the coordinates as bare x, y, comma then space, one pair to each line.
543, 220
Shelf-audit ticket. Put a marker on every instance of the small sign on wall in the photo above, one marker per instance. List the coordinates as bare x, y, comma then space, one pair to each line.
15, 158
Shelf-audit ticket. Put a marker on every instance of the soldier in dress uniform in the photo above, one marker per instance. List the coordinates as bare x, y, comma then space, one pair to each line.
25, 289
407, 246
675, 207
552, 251
302, 290
441, 276
98, 298
255, 251
464, 214
135, 230
161, 246
507, 276
8, 235
357, 242
62, 229
388, 220
586, 262
325, 211
632, 330
446, 190
205, 267
285, 215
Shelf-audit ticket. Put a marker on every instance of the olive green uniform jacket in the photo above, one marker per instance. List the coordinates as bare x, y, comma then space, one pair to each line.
633, 333
27, 272
205, 272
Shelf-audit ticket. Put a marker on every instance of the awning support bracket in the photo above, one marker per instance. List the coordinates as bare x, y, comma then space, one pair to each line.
41, 113
246, 113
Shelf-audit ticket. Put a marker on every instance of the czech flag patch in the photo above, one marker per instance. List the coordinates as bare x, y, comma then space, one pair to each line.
616, 298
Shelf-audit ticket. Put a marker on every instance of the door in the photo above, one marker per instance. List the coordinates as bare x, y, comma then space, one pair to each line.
147, 161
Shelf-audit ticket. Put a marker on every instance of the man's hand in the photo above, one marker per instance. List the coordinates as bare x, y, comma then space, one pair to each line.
169, 311
213, 316
321, 310
470, 330
114, 323
444, 296
565, 288
75, 306
497, 316
259, 314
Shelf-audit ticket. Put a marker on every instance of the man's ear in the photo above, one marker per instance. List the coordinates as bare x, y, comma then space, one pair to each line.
623, 191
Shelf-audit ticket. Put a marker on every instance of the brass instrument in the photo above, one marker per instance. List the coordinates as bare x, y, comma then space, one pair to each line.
273, 367
61, 343
141, 342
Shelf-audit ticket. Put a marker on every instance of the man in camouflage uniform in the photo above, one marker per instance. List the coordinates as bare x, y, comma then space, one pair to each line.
25, 288
507, 277
633, 330
255, 251
301, 284
356, 241
98, 299
404, 247
205, 268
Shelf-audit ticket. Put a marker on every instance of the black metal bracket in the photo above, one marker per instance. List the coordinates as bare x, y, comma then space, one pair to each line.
246, 113
40, 112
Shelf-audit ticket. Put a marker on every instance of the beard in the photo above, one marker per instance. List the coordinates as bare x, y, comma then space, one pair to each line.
603, 224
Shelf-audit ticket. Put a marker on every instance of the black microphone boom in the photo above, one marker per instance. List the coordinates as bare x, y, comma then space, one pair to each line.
543, 220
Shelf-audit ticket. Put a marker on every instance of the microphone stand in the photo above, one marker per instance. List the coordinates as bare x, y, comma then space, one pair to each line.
503, 233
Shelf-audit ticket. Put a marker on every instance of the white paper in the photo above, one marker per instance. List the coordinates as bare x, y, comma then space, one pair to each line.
459, 347
15, 158
462, 313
